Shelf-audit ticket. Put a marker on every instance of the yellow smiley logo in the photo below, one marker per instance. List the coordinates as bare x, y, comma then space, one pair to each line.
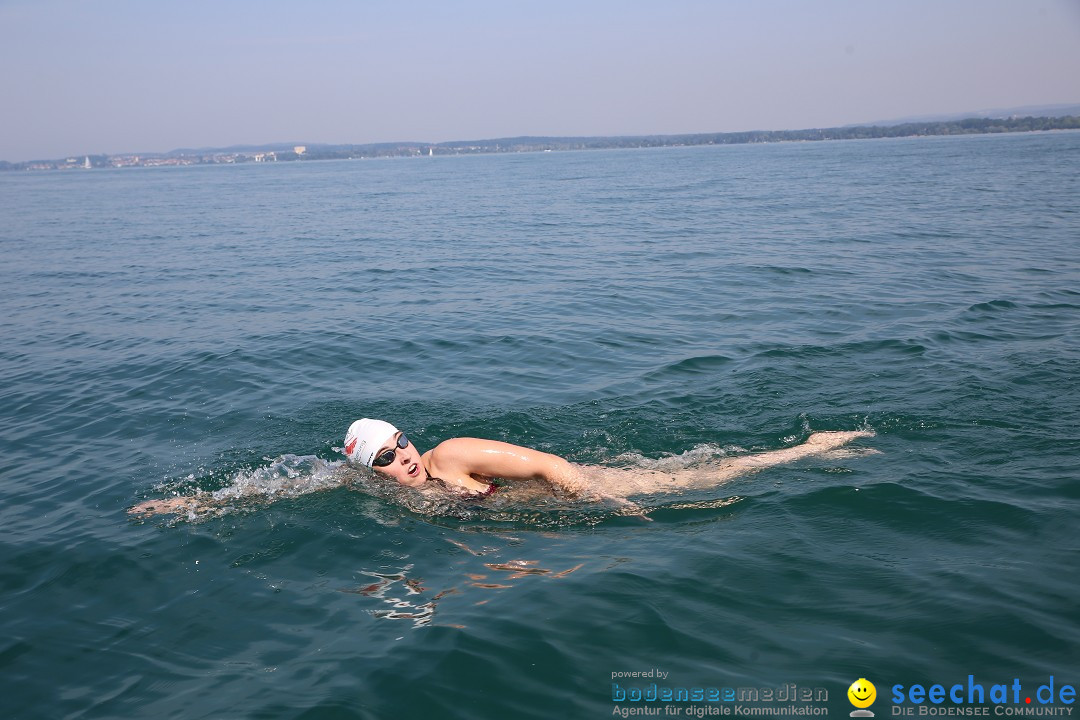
862, 693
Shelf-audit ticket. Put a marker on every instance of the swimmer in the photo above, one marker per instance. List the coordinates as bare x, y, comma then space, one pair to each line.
468, 467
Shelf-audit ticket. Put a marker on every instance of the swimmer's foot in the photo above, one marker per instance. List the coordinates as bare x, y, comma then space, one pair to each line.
845, 453
822, 441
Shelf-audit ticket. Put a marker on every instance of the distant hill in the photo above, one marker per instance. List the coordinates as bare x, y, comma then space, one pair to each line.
1051, 111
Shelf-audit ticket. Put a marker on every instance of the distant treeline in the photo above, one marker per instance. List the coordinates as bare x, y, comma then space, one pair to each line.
971, 126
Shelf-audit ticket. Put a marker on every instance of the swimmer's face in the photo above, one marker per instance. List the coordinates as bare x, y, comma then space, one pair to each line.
406, 467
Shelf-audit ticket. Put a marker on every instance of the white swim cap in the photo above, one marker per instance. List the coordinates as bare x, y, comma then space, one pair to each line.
365, 437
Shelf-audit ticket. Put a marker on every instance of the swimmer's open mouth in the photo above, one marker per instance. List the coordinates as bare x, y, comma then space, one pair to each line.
414, 470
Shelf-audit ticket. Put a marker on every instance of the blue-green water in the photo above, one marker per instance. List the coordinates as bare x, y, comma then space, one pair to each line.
174, 330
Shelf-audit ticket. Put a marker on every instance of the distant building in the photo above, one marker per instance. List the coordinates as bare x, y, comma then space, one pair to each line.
300, 149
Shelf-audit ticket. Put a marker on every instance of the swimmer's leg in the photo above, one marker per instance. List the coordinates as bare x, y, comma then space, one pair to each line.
818, 443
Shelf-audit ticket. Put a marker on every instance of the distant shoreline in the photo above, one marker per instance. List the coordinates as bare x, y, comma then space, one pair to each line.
283, 152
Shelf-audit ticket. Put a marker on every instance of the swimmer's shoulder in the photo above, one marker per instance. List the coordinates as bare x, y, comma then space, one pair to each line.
459, 461
456, 451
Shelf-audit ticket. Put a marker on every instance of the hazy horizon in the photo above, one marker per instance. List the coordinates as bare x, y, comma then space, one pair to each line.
1074, 109
122, 76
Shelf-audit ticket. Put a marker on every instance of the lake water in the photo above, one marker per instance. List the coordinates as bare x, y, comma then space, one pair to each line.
217, 329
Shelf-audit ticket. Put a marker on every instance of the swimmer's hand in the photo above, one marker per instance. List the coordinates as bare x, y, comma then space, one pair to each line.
626, 507
165, 506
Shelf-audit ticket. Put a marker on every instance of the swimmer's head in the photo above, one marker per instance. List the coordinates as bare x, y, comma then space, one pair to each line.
381, 447
365, 438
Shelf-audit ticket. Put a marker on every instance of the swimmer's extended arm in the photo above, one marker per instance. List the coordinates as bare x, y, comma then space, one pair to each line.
203, 502
461, 458
181, 504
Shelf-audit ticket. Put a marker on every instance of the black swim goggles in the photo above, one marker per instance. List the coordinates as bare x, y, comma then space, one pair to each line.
387, 456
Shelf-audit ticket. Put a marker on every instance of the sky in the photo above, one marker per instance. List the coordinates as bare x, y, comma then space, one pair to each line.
117, 76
